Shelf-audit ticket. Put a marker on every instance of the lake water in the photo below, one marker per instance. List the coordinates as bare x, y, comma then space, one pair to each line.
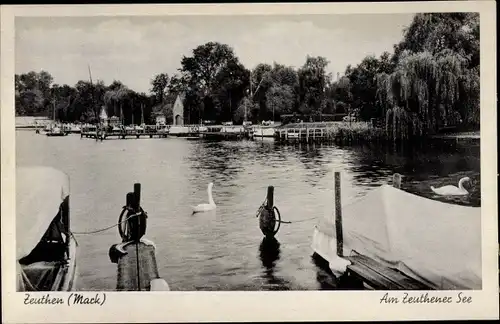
225, 250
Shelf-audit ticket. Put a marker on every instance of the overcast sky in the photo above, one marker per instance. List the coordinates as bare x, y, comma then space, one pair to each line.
133, 49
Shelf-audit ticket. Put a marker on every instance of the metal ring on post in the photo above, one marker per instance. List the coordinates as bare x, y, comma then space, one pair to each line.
278, 220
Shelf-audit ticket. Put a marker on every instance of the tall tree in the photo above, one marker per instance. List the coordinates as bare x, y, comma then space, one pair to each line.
313, 81
200, 70
364, 85
230, 87
159, 86
280, 99
436, 79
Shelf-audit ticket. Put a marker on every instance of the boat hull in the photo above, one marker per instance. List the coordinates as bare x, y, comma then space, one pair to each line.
264, 132
384, 226
66, 278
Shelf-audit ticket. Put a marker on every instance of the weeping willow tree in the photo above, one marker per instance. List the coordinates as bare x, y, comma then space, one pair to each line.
427, 92
115, 98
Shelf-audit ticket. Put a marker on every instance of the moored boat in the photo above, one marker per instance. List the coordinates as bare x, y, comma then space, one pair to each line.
56, 131
431, 242
75, 129
264, 131
45, 247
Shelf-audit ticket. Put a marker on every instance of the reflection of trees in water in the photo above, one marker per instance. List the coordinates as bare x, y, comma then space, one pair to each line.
216, 159
429, 163
432, 163
269, 154
313, 158
440, 159
269, 255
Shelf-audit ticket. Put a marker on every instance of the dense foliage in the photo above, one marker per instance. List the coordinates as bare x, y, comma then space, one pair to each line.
430, 82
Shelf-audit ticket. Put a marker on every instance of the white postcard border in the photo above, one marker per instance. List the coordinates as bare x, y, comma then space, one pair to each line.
253, 306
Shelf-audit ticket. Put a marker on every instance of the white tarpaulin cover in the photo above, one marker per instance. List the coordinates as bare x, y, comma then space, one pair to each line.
39, 193
437, 243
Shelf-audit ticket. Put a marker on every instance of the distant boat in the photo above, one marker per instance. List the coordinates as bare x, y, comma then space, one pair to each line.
46, 250
264, 131
56, 131
75, 129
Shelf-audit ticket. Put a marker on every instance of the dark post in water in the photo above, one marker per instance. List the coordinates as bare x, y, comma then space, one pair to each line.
138, 223
396, 180
338, 216
270, 197
130, 221
137, 194
267, 221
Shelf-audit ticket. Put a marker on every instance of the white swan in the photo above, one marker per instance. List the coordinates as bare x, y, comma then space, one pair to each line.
452, 190
206, 207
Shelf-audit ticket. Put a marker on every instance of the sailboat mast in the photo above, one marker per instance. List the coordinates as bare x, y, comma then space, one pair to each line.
92, 93
142, 113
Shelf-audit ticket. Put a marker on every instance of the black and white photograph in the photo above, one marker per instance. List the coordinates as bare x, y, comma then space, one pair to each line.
249, 152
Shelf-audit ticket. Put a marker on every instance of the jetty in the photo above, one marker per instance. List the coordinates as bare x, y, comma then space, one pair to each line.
123, 133
301, 134
307, 132
188, 131
226, 132
380, 242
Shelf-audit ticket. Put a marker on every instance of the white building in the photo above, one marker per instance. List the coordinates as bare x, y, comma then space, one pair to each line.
178, 111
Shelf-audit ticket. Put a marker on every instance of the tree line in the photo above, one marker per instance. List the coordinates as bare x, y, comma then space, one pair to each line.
429, 82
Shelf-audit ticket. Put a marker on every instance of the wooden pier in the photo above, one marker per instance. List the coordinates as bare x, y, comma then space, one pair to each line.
302, 135
226, 132
122, 135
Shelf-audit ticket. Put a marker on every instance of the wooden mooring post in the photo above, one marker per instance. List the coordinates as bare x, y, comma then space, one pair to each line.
267, 219
396, 180
338, 216
135, 256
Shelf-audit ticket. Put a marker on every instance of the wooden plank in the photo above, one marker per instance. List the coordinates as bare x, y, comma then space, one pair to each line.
372, 278
382, 277
404, 280
127, 279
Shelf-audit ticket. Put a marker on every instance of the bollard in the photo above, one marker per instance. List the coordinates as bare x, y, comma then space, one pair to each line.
131, 223
267, 220
396, 180
138, 223
137, 196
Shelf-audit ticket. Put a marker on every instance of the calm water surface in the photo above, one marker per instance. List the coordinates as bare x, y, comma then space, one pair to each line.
224, 250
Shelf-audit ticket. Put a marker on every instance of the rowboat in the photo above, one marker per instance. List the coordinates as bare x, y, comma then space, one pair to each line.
434, 243
45, 247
